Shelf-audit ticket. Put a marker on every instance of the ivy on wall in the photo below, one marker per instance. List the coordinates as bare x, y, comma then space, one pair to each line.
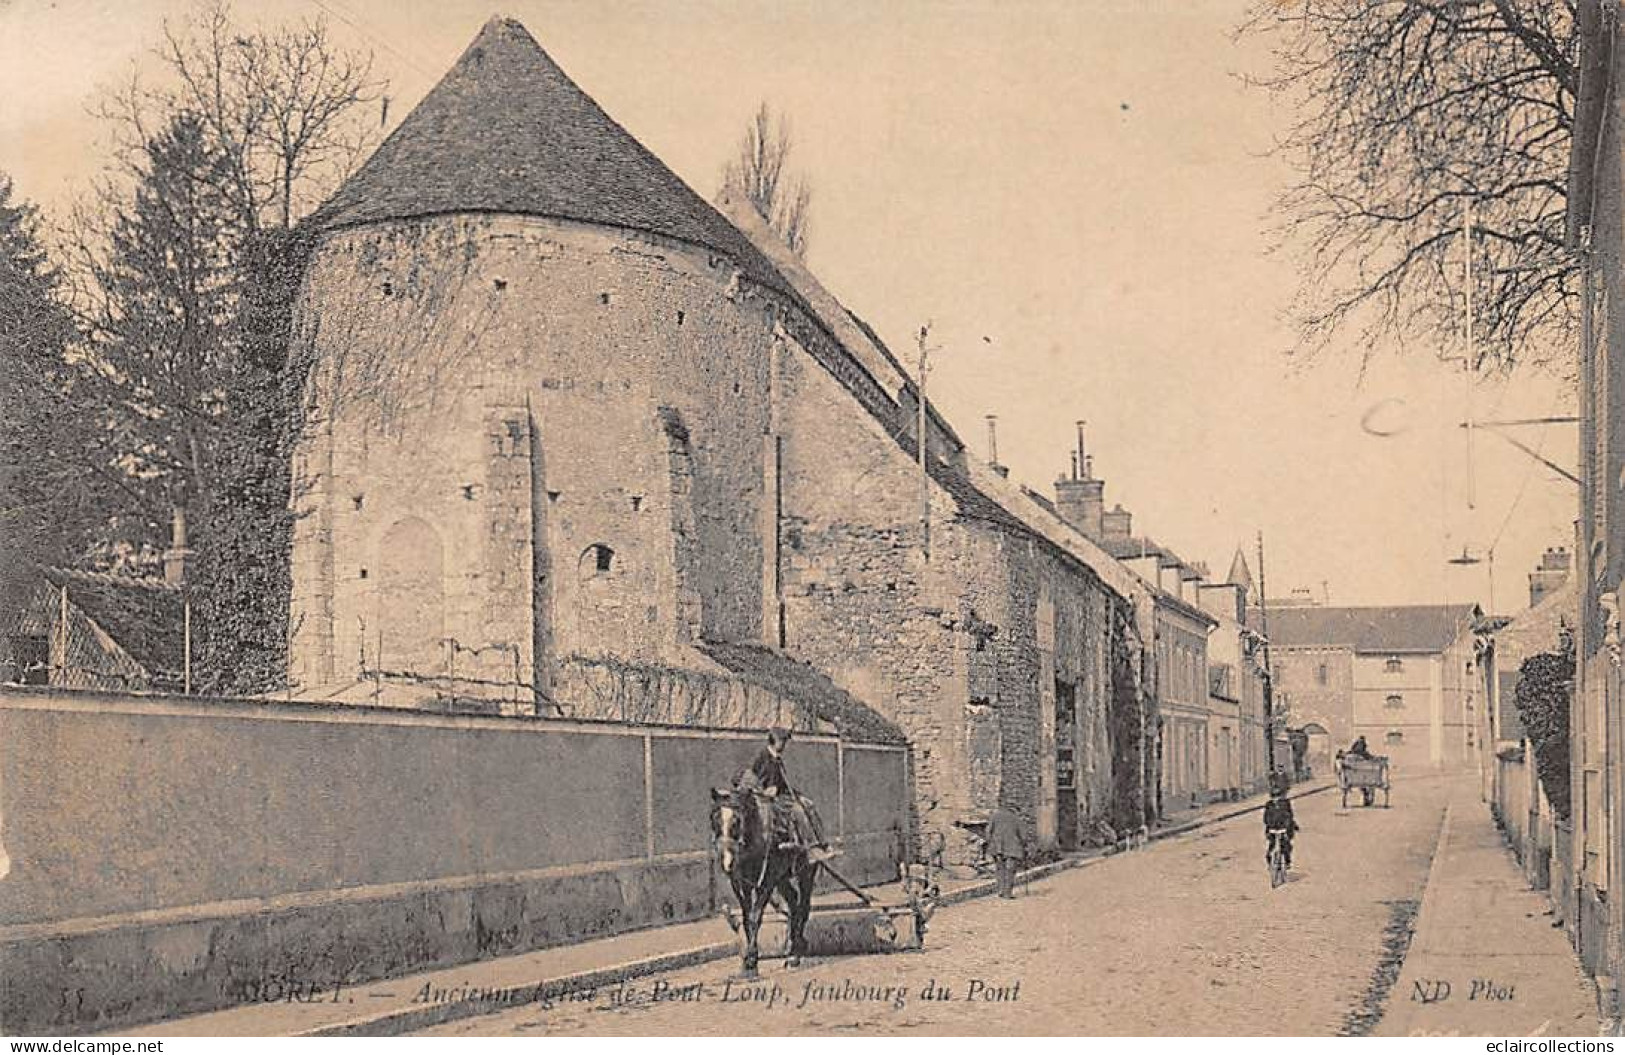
1545, 685
1131, 808
241, 579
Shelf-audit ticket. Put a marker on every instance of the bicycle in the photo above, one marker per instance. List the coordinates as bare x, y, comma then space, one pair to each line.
1277, 857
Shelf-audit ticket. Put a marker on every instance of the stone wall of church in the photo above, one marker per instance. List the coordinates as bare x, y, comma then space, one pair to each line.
517, 409
545, 451
950, 647
860, 602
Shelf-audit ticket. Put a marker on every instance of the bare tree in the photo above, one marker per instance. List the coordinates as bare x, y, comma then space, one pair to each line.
230, 133
283, 107
183, 275
1414, 112
758, 172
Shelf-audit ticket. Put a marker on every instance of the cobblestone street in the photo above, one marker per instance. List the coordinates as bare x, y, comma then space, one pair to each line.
1184, 937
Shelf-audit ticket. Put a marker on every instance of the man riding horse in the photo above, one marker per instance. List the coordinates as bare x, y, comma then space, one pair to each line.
747, 827
768, 770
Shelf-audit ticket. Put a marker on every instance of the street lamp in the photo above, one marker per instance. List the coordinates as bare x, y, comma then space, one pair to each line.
1467, 560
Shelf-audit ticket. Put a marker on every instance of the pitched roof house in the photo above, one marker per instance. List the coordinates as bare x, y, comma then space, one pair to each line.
1379, 629
93, 630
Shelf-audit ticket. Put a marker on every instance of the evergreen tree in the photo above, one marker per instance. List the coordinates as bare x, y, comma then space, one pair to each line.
197, 328
187, 282
166, 329
57, 488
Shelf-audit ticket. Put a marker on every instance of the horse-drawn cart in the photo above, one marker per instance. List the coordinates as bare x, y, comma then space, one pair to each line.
1366, 775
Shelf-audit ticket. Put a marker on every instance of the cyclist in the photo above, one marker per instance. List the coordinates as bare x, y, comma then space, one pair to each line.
1279, 823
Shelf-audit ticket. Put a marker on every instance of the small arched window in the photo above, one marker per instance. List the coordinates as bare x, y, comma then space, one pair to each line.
1394, 665
1394, 737
1394, 703
596, 560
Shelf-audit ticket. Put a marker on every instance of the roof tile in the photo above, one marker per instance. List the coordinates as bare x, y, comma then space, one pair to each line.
1395, 628
506, 131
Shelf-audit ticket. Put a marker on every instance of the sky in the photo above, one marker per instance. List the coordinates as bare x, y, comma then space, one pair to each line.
1074, 194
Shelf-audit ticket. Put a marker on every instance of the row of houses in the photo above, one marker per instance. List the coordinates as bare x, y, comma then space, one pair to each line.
1209, 675
583, 445
1536, 817
1570, 820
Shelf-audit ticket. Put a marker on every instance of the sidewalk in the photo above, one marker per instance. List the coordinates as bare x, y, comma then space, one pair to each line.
1484, 959
395, 1006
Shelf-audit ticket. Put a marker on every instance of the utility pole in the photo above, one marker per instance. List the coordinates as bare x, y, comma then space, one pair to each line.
920, 442
1269, 673
1470, 364
59, 663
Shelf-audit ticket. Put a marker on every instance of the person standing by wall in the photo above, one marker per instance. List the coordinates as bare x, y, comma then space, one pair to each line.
1007, 845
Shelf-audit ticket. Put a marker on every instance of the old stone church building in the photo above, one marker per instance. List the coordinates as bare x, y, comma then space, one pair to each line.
582, 446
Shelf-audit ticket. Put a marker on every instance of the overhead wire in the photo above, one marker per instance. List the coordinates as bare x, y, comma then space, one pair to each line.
329, 6
1523, 484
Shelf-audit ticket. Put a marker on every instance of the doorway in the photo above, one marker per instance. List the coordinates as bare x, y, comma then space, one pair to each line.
1066, 764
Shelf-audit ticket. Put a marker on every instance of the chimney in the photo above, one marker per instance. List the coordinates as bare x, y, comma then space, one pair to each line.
1552, 572
176, 555
1117, 524
1080, 498
993, 446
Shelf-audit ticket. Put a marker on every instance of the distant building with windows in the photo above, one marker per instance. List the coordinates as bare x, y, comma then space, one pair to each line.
1406, 678
1236, 726
1191, 755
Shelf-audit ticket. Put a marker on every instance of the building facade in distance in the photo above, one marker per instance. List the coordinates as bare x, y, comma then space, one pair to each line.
1237, 737
1406, 678
1186, 748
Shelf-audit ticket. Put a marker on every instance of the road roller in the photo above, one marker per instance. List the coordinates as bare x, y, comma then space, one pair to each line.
849, 928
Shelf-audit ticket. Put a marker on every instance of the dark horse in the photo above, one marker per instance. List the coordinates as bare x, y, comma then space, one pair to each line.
758, 862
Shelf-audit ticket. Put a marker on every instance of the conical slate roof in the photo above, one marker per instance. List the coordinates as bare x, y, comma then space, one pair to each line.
506, 131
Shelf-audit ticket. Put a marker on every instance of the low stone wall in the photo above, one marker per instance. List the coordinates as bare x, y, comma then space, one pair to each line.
1525, 818
173, 855
1511, 804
